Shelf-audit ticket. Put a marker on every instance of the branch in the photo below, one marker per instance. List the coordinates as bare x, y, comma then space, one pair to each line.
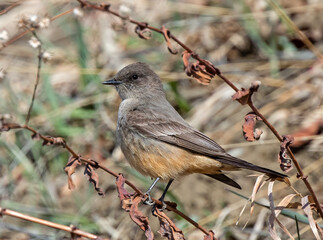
40, 56
72, 229
7, 9
20, 35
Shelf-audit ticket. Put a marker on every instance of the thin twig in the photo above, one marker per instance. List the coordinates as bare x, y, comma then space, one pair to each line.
71, 229
7, 9
20, 35
40, 56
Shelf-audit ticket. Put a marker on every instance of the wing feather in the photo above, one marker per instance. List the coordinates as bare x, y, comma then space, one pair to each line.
177, 132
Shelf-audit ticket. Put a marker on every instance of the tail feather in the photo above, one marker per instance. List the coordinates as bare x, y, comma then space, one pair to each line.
225, 179
247, 165
228, 159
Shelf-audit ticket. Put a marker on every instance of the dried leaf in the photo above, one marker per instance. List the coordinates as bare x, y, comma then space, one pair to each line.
284, 229
186, 56
210, 236
166, 34
142, 31
93, 177
258, 185
124, 196
284, 203
104, 6
308, 211
248, 127
122, 192
275, 212
167, 228
203, 71
35, 136
59, 141
272, 229
243, 96
313, 129
294, 205
130, 202
285, 162
138, 218
257, 133
54, 141
70, 167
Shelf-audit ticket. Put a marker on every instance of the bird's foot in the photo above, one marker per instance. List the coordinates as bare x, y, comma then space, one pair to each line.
148, 200
155, 207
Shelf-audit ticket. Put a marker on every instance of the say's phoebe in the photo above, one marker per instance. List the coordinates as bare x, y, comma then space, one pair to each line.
158, 142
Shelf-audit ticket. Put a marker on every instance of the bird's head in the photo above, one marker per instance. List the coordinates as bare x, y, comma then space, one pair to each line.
137, 80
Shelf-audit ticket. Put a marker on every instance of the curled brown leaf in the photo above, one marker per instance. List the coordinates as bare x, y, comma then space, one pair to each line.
54, 141
140, 219
59, 141
105, 6
283, 159
93, 177
167, 227
243, 96
70, 167
35, 136
166, 34
142, 31
130, 202
122, 192
249, 133
124, 196
202, 71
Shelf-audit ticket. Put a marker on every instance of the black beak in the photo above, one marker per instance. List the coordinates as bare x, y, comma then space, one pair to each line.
112, 82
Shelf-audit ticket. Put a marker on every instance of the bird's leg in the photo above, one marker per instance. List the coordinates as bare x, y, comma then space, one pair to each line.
163, 196
149, 201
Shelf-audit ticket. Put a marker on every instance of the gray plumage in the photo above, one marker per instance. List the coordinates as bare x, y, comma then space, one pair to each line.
157, 141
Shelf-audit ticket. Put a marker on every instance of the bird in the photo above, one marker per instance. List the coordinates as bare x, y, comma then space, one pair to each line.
158, 142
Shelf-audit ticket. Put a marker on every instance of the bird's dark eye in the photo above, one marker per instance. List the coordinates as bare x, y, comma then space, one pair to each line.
135, 76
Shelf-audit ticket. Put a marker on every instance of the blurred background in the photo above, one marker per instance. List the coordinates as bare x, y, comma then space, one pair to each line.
247, 40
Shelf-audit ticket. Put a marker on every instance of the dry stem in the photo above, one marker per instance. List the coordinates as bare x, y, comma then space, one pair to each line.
71, 229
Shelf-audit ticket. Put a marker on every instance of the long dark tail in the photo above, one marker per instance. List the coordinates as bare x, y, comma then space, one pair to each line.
247, 165
242, 164
225, 179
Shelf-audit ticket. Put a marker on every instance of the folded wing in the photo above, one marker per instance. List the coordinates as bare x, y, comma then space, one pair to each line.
179, 133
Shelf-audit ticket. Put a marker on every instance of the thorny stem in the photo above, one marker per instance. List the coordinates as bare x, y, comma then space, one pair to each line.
70, 229
106, 8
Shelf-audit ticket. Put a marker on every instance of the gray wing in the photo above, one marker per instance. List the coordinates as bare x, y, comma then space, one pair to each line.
180, 134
